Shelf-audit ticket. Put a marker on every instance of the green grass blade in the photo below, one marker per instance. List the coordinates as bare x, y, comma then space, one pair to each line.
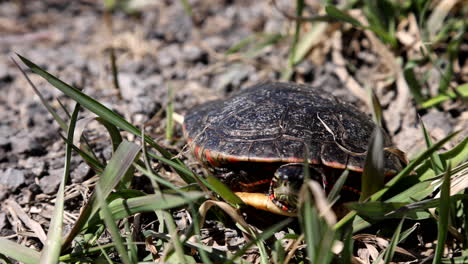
121, 207
286, 75
437, 165
113, 131
92, 162
399, 176
342, 16
373, 174
390, 251
461, 90
444, 215
18, 252
49, 108
110, 224
377, 112
179, 250
413, 83
335, 191
113, 173
51, 251
224, 191
94, 106
132, 248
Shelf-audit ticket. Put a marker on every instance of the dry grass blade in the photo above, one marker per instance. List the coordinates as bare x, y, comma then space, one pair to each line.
320, 201
436, 19
15, 209
228, 209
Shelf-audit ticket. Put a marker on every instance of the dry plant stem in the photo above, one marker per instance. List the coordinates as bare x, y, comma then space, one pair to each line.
204, 207
16, 209
293, 248
178, 118
323, 206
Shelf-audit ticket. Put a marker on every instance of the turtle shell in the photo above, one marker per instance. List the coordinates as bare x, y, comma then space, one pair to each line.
282, 123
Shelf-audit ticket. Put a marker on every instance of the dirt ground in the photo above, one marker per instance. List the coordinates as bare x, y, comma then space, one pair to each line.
156, 48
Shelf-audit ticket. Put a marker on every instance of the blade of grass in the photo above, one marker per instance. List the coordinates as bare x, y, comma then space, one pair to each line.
413, 82
390, 250
49, 108
460, 90
115, 71
102, 111
335, 191
437, 165
18, 252
444, 215
399, 176
132, 248
93, 163
51, 251
373, 174
286, 75
121, 208
110, 224
224, 191
176, 243
342, 16
113, 173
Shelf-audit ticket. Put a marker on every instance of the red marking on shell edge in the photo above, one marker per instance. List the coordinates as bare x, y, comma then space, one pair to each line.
210, 159
255, 183
196, 152
351, 189
337, 165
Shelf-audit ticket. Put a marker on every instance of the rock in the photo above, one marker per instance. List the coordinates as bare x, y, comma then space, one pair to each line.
438, 123
3, 193
80, 173
33, 142
25, 144
232, 78
49, 184
194, 54
143, 105
12, 178
130, 86
3, 220
169, 56
36, 165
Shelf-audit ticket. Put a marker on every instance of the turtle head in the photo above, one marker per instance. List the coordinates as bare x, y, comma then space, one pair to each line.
285, 186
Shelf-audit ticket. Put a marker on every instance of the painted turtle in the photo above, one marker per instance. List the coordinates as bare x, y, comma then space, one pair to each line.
256, 141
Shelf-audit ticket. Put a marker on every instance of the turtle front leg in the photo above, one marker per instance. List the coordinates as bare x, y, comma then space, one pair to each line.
263, 202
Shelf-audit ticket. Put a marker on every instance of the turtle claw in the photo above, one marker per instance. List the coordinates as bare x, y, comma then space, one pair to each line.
263, 202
